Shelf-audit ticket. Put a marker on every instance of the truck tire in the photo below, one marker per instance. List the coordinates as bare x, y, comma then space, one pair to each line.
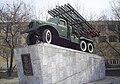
90, 47
83, 46
47, 36
30, 39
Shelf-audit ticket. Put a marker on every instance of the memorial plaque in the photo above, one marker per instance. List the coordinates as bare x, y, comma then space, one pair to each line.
27, 66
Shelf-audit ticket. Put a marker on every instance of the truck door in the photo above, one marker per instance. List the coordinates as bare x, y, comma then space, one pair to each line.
62, 27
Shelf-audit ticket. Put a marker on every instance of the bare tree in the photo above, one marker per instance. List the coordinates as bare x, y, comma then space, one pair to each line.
92, 16
115, 7
13, 19
43, 14
79, 6
103, 16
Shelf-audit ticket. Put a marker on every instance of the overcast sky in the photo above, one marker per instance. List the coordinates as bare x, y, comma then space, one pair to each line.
85, 5
89, 5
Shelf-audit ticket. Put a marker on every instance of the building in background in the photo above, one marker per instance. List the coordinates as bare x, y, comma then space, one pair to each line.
108, 43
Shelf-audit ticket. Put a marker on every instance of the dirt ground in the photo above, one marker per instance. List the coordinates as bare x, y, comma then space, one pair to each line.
9, 81
4, 79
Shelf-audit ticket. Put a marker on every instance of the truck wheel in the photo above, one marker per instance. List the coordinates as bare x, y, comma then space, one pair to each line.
90, 47
83, 46
47, 36
30, 39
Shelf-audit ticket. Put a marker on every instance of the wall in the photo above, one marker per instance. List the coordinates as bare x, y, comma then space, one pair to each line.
57, 65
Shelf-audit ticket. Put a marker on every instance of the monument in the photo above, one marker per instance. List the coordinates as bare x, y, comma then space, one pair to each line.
63, 62
51, 64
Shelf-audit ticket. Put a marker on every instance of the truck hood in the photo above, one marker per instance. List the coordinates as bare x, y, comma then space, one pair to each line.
41, 23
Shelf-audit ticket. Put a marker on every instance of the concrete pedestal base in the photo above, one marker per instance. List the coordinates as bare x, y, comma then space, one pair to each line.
51, 64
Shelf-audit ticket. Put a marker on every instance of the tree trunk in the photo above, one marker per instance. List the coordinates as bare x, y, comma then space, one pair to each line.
11, 64
7, 59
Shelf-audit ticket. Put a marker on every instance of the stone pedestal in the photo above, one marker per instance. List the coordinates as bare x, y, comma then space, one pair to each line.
51, 64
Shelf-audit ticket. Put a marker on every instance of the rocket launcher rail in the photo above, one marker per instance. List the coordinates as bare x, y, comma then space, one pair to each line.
79, 24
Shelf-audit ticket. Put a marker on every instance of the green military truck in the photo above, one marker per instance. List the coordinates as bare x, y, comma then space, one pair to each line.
66, 28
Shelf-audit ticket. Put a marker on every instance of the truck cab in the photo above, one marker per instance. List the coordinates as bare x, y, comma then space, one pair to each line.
65, 31
60, 25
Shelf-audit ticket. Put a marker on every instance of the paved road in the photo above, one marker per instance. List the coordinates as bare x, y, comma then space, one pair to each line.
107, 80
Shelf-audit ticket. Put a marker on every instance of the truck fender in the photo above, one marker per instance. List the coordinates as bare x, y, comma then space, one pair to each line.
51, 28
42, 28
